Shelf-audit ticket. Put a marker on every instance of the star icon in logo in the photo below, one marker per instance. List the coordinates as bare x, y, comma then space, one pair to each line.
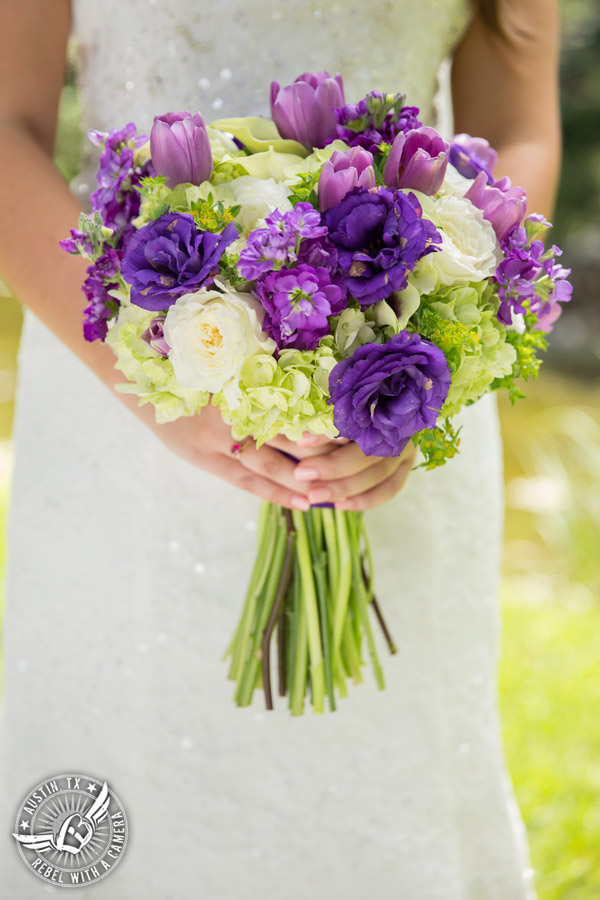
24, 824
92, 787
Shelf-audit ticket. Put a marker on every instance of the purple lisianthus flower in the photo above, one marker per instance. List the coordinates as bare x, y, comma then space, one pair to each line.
154, 336
101, 278
317, 252
502, 205
115, 198
385, 393
380, 236
342, 172
180, 148
375, 119
303, 111
171, 257
471, 155
297, 303
276, 244
418, 160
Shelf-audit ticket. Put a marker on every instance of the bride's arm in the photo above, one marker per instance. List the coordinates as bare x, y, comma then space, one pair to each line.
37, 210
506, 90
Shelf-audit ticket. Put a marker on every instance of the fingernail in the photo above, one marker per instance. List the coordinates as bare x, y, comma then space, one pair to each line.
302, 474
319, 495
301, 503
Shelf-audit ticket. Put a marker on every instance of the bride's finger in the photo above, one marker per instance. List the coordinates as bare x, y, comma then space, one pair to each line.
339, 463
311, 440
230, 470
334, 491
381, 493
308, 445
271, 464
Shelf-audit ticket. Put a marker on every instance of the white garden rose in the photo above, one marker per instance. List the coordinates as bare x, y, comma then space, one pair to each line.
469, 251
211, 334
454, 183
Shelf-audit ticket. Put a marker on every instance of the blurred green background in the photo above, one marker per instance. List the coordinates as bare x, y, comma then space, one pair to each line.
549, 675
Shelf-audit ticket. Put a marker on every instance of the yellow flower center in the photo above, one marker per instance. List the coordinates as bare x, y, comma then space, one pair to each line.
210, 336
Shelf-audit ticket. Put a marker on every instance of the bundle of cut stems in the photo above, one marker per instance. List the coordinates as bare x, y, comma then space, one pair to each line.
312, 584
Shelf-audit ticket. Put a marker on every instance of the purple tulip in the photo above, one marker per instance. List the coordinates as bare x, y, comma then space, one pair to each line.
502, 205
180, 149
417, 160
154, 336
344, 171
470, 155
303, 111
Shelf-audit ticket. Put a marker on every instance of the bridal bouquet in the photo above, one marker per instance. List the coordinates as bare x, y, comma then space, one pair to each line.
339, 269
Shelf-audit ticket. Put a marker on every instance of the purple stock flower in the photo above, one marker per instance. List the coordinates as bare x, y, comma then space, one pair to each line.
470, 155
271, 247
170, 257
154, 336
180, 148
529, 278
547, 317
375, 119
502, 205
297, 303
264, 250
385, 393
303, 111
380, 235
78, 242
342, 172
115, 198
418, 160
101, 277
555, 290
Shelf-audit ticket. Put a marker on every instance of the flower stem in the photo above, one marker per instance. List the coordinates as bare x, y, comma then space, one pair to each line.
361, 601
373, 600
331, 543
266, 547
264, 605
309, 602
282, 588
315, 538
300, 645
343, 584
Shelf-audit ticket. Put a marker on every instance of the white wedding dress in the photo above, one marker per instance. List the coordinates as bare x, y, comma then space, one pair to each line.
127, 566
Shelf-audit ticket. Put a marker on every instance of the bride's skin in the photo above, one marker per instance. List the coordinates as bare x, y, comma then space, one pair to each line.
506, 93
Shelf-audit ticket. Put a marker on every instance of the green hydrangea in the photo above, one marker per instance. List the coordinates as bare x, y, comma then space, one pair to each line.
355, 327
149, 374
462, 322
285, 396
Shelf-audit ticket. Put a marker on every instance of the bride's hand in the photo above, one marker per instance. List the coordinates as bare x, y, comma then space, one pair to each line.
206, 441
351, 480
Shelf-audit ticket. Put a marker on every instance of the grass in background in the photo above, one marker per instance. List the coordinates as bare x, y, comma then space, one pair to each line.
550, 666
